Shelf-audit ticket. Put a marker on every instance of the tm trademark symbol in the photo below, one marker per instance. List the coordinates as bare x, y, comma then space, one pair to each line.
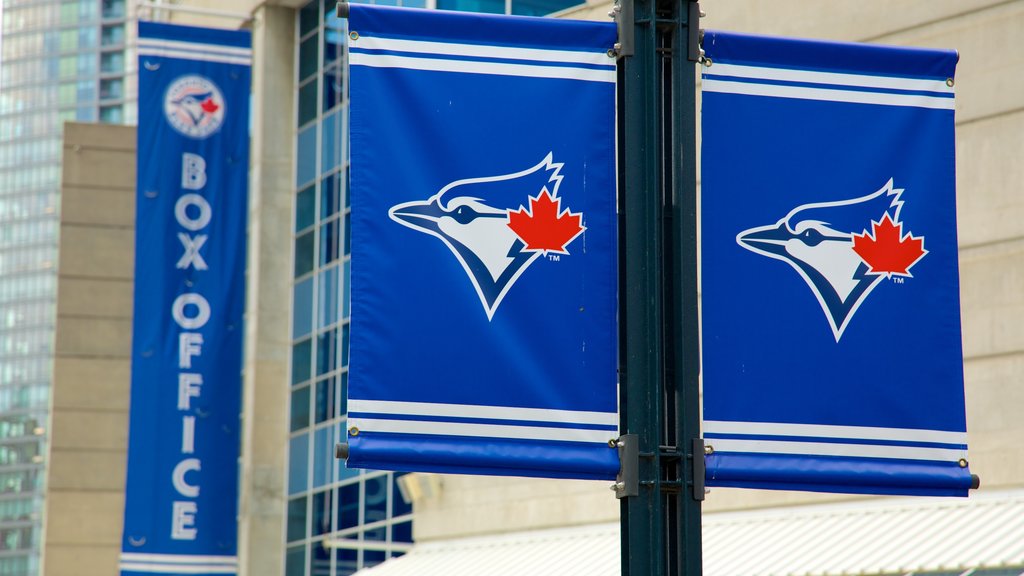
554, 257
897, 279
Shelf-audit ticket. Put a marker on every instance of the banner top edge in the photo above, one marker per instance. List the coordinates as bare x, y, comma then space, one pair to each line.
830, 55
194, 34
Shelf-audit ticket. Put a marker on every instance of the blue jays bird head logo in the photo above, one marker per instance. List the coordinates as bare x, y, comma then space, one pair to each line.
830, 247
487, 226
194, 106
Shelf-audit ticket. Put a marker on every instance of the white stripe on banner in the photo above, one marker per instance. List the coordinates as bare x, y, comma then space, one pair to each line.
177, 568
813, 77
178, 559
481, 51
194, 47
197, 56
483, 431
827, 94
828, 449
490, 412
476, 67
843, 432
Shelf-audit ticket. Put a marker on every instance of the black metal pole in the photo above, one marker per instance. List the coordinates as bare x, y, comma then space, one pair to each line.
659, 350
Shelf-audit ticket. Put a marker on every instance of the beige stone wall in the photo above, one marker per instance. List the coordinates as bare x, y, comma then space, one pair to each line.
88, 436
268, 308
989, 35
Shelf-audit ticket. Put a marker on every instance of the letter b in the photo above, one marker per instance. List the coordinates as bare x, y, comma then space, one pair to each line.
193, 171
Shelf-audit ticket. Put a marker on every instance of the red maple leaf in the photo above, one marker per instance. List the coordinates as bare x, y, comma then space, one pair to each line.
887, 250
543, 228
209, 106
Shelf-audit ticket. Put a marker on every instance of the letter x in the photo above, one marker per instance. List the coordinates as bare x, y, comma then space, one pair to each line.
192, 255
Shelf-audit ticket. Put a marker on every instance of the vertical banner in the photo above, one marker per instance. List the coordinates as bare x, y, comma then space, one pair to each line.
832, 355
484, 335
193, 159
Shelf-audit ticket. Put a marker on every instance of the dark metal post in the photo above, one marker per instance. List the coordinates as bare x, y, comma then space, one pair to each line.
659, 350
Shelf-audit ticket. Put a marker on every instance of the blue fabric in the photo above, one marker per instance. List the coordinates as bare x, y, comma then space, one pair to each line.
210, 102
431, 323
798, 326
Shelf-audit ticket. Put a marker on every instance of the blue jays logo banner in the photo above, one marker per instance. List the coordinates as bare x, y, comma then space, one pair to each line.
193, 158
483, 244
832, 357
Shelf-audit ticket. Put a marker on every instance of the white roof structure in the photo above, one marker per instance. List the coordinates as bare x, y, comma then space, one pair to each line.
981, 535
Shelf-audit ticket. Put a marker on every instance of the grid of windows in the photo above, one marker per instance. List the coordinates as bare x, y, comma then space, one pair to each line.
339, 520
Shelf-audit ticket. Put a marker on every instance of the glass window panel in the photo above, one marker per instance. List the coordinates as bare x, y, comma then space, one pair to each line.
541, 7
333, 85
297, 519
305, 161
305, 208
300, 408
326, 352
333, 40
113, 8
308, 56
414, 3
68, 40
331, 142
323, 456
304, 252
399, 507
309, 17
111, 114
348, 506
346, 283
327, 310
348, 234
320, 563
111, 89
488, 6
321, 513
329, 242
301, 353
344, 345
295, 561
112, 35
298, 464
401, 532
345, 561
86, 114
111, 62
330, 196
343, 394
87, 38
347, 186
326, 390
375, 500
372, 557
302, 309
307, 102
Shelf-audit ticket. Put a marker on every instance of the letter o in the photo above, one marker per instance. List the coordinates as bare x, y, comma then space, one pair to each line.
181, 212
178, 477
201, 317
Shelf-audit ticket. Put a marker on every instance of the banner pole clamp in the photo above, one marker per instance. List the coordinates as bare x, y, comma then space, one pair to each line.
627, 482
341, 10
622, 12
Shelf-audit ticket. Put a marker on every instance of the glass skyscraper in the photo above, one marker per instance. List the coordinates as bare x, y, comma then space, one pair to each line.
59, 60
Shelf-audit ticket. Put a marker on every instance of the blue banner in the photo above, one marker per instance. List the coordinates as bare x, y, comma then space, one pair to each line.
193, 159
832, 356
484, 334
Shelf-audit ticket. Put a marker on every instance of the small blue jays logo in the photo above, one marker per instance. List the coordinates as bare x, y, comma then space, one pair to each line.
194, 106
829, 245
485, 224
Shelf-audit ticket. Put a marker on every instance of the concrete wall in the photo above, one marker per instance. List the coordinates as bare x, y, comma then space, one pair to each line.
268, 307
989, 34
88, 439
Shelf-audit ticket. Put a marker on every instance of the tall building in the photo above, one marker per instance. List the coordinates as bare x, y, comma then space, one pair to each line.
60, 61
